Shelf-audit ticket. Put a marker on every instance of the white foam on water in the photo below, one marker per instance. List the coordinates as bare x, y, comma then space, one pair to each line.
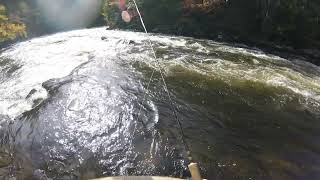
251, 52
46, 58
55, 56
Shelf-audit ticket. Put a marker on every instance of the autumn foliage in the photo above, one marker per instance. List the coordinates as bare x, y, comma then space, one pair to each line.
9, 29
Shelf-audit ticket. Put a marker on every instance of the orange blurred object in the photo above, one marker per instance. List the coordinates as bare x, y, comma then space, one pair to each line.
128, 15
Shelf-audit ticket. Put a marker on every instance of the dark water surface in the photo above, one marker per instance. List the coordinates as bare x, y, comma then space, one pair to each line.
69, 107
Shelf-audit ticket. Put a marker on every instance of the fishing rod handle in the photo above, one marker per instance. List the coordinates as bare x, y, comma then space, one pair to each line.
194, 170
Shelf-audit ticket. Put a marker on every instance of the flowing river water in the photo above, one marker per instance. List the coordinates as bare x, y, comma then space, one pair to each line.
69, 107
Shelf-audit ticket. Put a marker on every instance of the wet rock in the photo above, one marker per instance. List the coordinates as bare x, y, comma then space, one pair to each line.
31, 93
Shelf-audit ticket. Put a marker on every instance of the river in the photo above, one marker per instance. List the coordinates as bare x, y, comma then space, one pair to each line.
69, 109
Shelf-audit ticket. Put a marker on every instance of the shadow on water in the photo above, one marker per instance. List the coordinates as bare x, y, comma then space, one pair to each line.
248, 127
243, 129
246, 114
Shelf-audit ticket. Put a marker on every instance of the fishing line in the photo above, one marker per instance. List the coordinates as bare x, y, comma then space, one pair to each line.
164, 84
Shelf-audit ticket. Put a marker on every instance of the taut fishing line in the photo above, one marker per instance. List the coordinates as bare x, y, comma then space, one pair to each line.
164, 84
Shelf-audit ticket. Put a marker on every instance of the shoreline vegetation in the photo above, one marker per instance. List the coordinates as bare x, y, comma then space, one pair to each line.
289, 26
10, 29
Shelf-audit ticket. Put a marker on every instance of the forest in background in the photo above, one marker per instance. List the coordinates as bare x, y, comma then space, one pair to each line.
29, 19
294, 23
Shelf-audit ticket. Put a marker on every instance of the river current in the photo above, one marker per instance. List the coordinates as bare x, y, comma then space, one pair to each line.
69, 105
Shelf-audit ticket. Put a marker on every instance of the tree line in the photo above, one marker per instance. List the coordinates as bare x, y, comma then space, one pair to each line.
290, 22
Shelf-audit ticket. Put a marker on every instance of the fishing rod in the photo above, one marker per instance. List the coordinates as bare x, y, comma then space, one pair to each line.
193, 167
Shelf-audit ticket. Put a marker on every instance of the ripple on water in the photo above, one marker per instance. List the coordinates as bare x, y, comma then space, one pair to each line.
70, 101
